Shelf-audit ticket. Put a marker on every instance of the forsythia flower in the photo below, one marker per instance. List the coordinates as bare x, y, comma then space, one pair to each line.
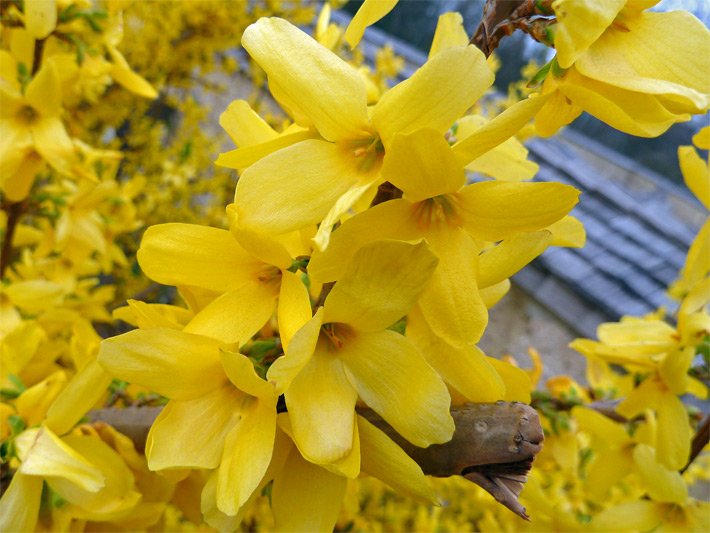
318, 180
638, 71
345, 351
455, 219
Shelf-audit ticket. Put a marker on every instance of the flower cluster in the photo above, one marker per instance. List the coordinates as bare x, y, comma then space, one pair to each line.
372, 228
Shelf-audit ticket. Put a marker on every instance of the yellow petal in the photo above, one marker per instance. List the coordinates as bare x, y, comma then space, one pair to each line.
655, 335
558, 111
465, 368
40, 17
19, 505
188, 254
44, 454
600, 427
244, 125
605, 471
270, 250
172, 363
645, 396
388, 220
382, 283
367, 14
674, 369
635, 113
33, 403
22, 48
661, 483
300, 184
387, 369
581, 23
517, 382
246, 156
306, 497
673, 440
115, 497
422, 165
191, 434
327, 90
509, 256
450, 303
506, 162
43, 92
321, 405
435, 95
341, 206
498, 129
494, 210
640, 515
145, 316
695, 173
449, 33
132, 81
247, 454
493, 294
702, 138
240, 371
294, 307
300, 351
657, 54
237, 315
382, 458
348, 466
568, 231
82, 393
52, 142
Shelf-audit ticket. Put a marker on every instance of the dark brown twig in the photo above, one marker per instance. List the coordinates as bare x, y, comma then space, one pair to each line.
700, 440
13, 210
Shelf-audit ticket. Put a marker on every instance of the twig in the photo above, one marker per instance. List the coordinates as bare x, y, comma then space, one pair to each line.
700, 440
14, 210
386, 192
502, 17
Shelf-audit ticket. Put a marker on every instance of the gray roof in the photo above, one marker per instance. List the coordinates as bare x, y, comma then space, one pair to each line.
639, 224
639, 227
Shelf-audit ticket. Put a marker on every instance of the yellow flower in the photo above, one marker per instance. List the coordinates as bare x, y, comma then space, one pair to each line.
201, 378
81, 469
30, 123
696, 174
345, 352
663, 355
318, 180
636, 70
455, 219
244, 287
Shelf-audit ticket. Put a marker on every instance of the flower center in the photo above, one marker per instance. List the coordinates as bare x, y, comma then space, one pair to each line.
437, 211
369, 151
27, 115
269, 274
337, 333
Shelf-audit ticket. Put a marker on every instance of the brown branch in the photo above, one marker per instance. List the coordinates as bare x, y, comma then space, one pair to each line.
13, 210
493, 446
700, 440
385, 192
502, 17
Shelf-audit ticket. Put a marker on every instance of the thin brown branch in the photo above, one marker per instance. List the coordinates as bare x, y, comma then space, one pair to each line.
13, 210
700, 440
386, 192
502, 17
